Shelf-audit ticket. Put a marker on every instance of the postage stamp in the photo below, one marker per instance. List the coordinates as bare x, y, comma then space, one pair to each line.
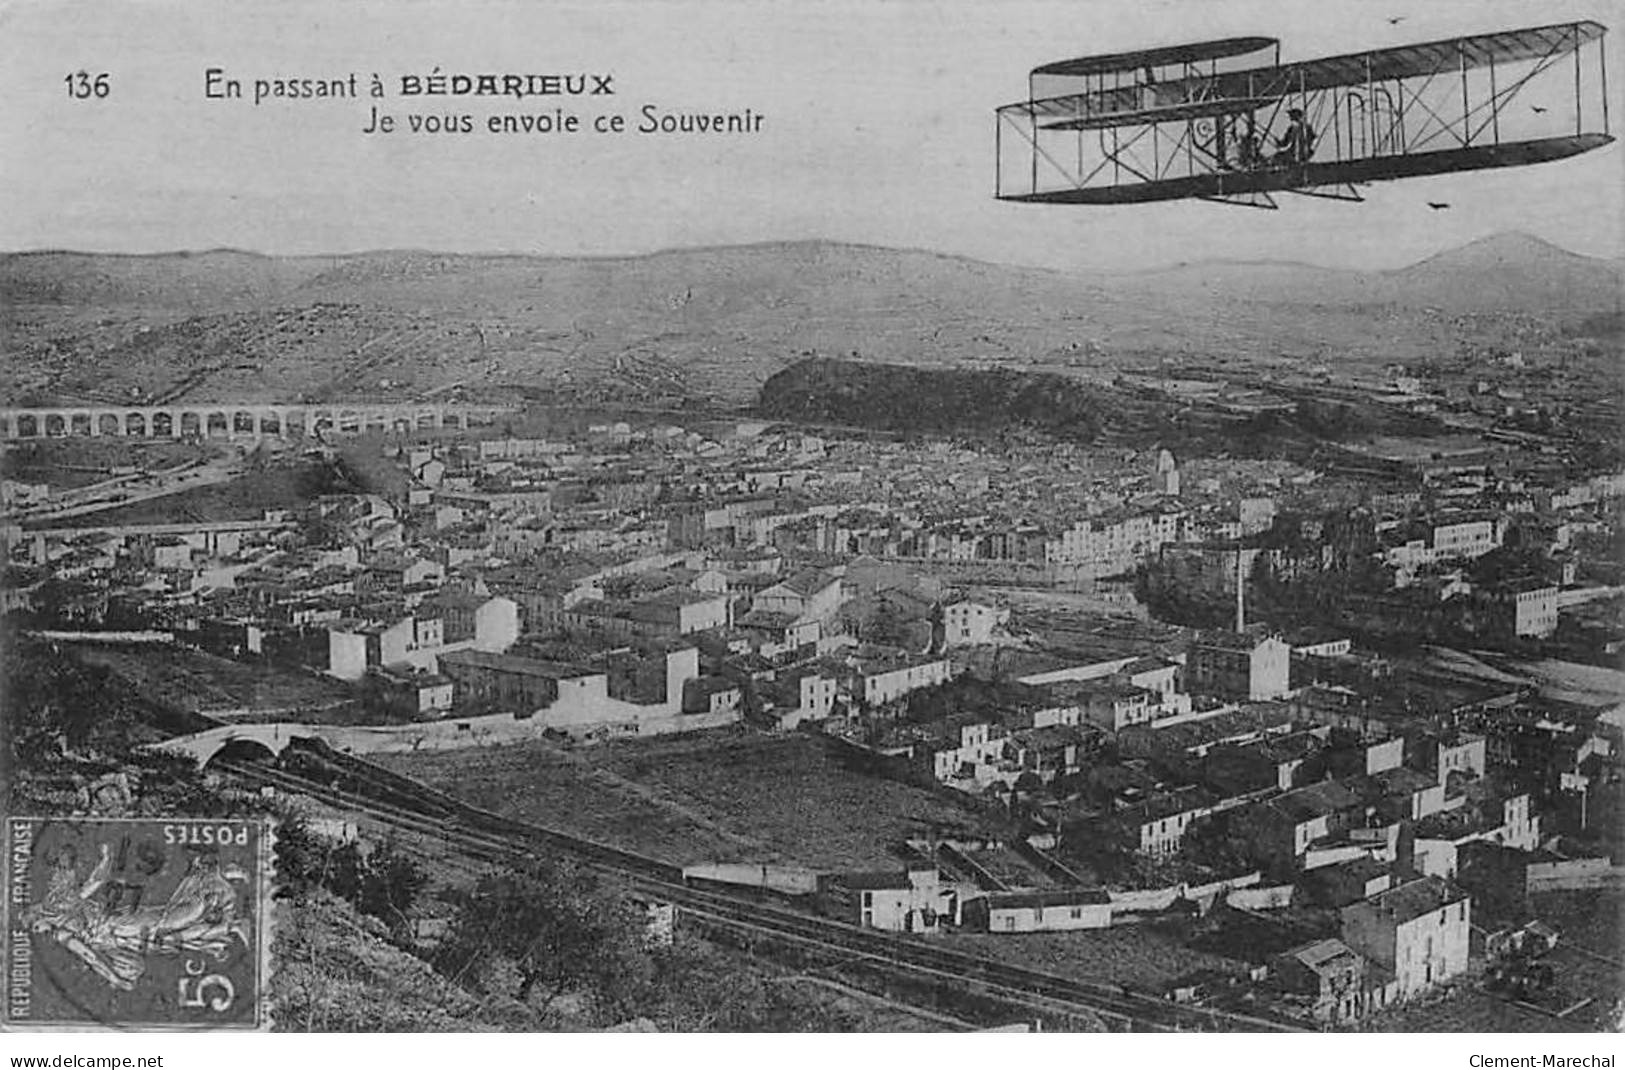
138, 923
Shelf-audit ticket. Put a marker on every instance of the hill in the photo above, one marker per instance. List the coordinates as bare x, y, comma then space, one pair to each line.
1508, 273
894, 397
703, 325
193, 282
1514, 270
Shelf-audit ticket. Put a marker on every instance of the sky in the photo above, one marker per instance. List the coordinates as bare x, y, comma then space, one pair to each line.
877, 128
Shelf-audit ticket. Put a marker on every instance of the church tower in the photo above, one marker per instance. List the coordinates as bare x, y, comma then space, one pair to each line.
1167, 481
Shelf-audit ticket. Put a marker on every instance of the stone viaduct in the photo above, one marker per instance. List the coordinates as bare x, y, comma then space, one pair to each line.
222, 419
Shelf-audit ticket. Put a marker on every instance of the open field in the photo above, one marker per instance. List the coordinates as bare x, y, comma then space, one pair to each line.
1464, 1008
718, 796
71, 463
1588, 959
792, 794
543, 784
1591, 685
196, 682
1141, 956
246, 497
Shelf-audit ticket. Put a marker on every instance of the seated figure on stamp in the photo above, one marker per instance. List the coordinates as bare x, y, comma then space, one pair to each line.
201, 915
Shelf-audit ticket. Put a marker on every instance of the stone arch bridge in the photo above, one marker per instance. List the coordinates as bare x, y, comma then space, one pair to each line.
203, 746
223, 419
350, 739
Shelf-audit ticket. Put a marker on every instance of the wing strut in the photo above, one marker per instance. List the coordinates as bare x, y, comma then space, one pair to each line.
1250, 199
1337, 191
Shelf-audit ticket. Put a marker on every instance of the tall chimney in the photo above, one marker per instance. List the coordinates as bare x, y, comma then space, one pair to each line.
1241, 594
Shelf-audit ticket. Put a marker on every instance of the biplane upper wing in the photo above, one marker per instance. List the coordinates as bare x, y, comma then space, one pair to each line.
1123, 88
1200, 52
1412, 61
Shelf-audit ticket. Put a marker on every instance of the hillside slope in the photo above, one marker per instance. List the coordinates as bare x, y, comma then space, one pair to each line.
711, 324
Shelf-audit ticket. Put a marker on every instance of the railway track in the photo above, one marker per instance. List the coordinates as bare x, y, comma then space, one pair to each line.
408, 806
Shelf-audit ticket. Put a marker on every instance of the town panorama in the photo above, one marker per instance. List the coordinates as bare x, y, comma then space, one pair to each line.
812, 637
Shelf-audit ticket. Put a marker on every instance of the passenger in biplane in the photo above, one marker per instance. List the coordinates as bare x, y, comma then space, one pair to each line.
1298, 143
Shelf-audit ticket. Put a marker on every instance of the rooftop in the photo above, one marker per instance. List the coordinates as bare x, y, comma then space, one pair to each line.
1324, 954
1313, 801
1060, 897
513, 663
1402, 781
874, 880
1415, 899
809, 582
1245, 642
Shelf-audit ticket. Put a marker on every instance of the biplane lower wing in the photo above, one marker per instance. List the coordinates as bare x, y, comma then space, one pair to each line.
1316, 175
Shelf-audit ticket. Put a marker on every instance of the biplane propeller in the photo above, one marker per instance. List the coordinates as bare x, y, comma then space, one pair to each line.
1226, 121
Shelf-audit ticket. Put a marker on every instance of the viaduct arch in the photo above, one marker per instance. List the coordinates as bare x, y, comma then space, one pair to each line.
234, 420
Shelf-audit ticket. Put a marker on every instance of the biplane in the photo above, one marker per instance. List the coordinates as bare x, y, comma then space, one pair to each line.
1226, 121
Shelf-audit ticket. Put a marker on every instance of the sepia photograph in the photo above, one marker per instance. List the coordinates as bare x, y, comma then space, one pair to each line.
852, 517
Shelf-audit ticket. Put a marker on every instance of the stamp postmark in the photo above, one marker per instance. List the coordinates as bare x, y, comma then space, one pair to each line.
138, 923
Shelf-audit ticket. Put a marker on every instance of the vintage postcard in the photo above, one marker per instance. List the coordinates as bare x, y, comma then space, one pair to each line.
848, 516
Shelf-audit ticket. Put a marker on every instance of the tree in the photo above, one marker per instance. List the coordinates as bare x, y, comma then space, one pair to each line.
558, 929
387, 884
1212, 844
303, 859
382, 881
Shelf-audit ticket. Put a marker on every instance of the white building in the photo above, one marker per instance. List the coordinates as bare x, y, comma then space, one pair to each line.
1527, 607
1254, 667
880, 683
1106, 545
418, 639
810, 595
576, 699
977, 745
1061, 910
967, 623
1417, 931
802, 695
912, 901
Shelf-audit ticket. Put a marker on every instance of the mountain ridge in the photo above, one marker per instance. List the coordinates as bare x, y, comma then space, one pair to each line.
1518, 238
715, 322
